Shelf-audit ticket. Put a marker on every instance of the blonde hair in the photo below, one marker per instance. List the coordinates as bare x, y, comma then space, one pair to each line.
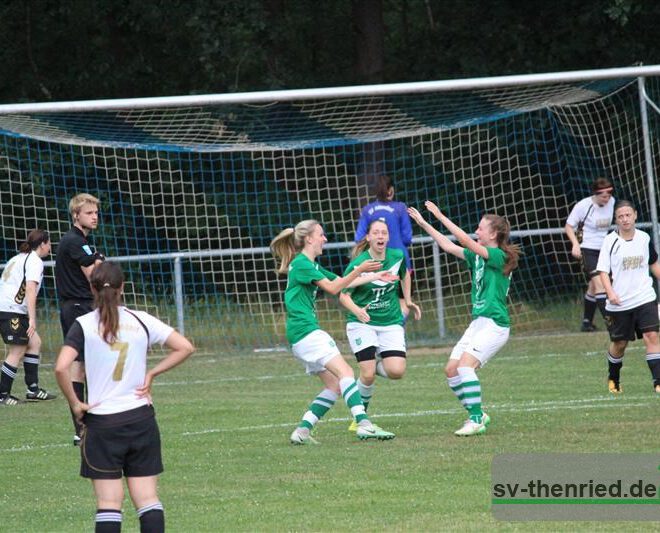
363, 243
502, 228
290, 241
76, 203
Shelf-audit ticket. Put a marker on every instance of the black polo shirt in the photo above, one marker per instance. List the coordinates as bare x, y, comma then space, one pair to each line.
74, 251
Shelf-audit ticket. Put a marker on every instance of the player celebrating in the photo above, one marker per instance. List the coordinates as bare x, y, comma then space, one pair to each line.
374, 321
298, 248
20, 284
491, 260
628, 255
586, 228
120, 435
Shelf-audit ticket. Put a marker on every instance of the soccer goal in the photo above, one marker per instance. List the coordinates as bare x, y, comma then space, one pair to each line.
194, 188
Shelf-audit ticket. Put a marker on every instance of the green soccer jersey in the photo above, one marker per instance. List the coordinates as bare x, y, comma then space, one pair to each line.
489, 285
300, 297
382, 296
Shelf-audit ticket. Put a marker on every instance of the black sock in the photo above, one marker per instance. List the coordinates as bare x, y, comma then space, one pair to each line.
601, 300
108, 521
79, 389
31, 368
614, 366
589, 308
7, 376
152, 518
653, 360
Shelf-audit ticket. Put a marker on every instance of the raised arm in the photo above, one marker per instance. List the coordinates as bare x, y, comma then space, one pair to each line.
463, 238
443, 242
336, 285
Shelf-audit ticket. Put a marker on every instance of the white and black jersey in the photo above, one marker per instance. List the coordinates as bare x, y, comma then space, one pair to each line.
627, 262
114, 371
597, 221
19, 270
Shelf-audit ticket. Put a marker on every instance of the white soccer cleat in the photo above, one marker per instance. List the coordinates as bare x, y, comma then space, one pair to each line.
372, 431
302, 437
471, 428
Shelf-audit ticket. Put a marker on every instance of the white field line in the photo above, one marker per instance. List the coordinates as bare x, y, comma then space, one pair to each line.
582, 404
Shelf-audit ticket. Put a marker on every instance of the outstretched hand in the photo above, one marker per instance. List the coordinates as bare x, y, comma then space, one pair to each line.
368, 266
416, 215
386, 275
433, 209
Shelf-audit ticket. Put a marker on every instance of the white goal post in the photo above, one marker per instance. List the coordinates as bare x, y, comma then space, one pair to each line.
194, 187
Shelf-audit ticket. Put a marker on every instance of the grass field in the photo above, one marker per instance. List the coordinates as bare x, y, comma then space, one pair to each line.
225, 423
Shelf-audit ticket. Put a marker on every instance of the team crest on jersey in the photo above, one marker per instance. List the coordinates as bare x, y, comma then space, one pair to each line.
14, 324
332, 343
358, 341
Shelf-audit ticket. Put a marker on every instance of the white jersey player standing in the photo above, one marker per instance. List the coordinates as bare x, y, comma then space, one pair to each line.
120, 435
626, 257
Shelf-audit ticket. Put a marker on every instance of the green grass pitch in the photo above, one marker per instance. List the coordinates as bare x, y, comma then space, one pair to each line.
225, 423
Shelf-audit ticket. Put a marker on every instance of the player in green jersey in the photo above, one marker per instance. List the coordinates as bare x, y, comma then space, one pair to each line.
298, 248
375, 318
491, 259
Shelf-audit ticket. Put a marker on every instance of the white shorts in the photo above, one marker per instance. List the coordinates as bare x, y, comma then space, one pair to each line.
384, 338
482, 339
315, 350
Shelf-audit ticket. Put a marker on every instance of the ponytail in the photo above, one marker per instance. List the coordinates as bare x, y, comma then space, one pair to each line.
359, 247
289, 242
34, 239
107, 281
502, 228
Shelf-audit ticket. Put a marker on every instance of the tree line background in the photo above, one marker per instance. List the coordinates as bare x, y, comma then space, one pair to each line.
88, 49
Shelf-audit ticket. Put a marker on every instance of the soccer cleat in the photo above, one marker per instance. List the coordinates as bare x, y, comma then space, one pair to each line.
8, 399
39, 395
353, 427
587, 327
471, 428
372, 431
485, 419
302, 437
76, 440
615, 387
657, 389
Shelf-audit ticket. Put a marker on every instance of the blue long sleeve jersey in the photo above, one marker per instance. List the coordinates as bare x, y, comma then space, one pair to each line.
395, 215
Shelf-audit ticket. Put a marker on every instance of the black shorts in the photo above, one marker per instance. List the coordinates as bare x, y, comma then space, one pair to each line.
632, 324
72, 309
13, 327
589, 263
121, 444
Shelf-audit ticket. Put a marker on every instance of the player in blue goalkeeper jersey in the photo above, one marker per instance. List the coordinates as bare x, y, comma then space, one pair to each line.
395, 215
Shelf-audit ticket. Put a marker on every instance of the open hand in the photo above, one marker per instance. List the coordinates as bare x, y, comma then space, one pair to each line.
433, 209
368, 266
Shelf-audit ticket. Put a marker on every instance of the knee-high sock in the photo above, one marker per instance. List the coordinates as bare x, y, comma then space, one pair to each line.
319, 407
31, 368
471, 392
366, 392
456, 385
351, 394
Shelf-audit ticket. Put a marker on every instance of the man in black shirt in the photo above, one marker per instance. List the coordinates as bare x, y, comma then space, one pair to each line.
74, 262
